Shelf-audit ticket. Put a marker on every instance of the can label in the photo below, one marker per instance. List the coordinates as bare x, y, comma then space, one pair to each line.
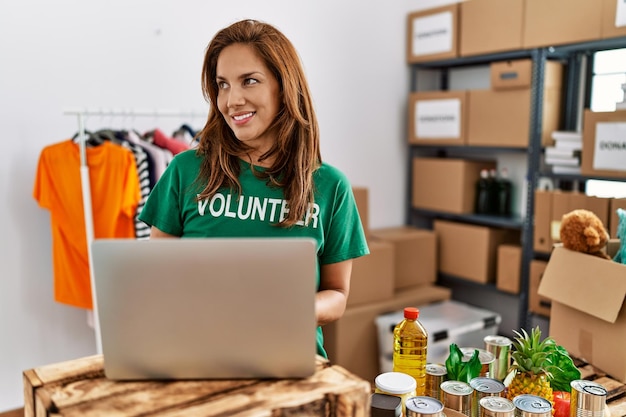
435, 375
588, 398
457, 395
500, 348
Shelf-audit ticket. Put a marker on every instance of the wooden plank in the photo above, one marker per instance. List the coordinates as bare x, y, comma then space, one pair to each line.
79, 388
31, 382
207, 398
617, 407
614, 388
90, 366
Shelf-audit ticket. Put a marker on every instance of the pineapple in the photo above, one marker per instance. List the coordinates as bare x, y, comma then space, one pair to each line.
531, 365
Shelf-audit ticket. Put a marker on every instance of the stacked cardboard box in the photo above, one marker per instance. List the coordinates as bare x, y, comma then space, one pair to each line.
604, 144
469, 251
490, 26
446, 184
399, 272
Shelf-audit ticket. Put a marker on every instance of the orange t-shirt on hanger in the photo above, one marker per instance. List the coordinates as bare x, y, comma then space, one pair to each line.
115, 194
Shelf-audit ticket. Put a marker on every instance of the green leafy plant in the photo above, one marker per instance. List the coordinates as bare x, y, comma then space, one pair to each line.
459, 370
565, 370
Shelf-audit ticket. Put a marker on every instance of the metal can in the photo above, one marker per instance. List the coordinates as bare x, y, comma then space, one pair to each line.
500, 348
457, 396
496, 407
486, 359
484, 387
423, 406
527, 405
435, 375
588, 398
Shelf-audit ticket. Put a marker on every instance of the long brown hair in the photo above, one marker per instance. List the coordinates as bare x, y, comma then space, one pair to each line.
296, 151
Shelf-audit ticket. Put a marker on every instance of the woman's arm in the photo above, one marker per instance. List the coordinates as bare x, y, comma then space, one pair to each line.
331, 299
156, 233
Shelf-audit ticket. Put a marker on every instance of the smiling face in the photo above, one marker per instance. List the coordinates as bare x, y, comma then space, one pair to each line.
248, 96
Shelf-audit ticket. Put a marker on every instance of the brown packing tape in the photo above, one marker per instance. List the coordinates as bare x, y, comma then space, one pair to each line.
585, 344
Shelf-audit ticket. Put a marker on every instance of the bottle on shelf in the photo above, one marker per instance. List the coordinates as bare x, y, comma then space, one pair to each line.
504, 193
410, 341
494, 189
481, 205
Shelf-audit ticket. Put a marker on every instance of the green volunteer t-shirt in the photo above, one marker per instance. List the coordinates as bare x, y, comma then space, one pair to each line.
334, 221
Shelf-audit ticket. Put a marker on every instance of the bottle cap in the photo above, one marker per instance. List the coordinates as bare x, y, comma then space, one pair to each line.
411, 313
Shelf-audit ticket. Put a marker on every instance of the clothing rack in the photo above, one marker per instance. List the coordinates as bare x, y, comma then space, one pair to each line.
82, 114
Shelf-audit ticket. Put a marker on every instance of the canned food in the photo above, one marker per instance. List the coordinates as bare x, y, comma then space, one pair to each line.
500, 348
457, 395
396, 383
527, 405
486, 359
496, 407
588, 398
484, 387
422, 406
435, 375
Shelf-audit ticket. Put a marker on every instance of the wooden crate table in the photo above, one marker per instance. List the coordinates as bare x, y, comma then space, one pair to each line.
79, 388
615, 398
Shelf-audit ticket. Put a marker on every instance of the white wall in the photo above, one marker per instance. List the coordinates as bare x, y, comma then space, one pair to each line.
148, 54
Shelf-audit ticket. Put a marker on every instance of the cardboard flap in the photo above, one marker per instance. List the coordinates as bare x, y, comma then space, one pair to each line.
584, 282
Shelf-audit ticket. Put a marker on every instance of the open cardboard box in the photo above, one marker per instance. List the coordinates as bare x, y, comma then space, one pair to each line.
587, 316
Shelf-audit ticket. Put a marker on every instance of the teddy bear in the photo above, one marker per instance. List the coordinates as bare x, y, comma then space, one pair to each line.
582, 231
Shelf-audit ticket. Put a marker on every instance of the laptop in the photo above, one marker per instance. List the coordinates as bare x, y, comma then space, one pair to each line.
218, 308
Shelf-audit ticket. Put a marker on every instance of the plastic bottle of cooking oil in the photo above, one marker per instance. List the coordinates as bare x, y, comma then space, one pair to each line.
410, 341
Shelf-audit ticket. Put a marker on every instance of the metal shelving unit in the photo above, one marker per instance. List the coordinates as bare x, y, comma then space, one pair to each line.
578, 60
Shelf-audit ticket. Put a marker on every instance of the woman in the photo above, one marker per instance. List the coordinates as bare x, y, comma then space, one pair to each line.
257, 171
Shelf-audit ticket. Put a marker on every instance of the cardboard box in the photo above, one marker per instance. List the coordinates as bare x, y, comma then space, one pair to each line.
373, 275
587, 316
361, 196
432, 34
509, 268
604, 144
610, 28
489, 26
468, 251
415, 254
437, 118
565, 201
506, 75
501, 116
558, 22
446, 322
542, 219
614, 204
352, 341
536, 303
446, 184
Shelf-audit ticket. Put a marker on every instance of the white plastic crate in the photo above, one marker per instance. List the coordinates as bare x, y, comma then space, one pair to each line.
446, 322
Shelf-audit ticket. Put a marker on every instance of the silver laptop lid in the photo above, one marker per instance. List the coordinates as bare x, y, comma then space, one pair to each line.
206, 308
